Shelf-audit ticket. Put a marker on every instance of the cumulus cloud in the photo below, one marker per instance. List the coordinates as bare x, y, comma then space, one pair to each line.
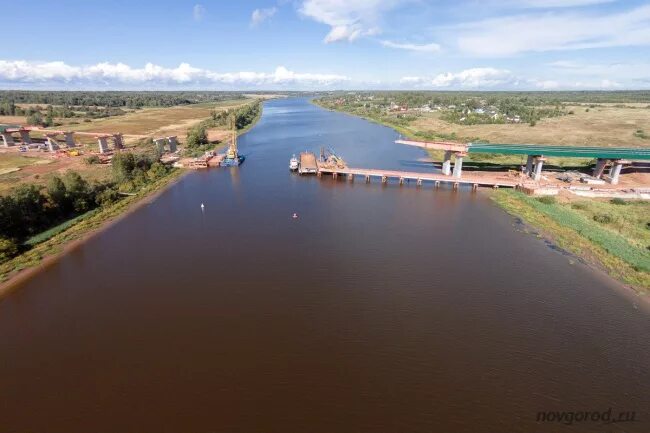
260, 15
474, 78
557, 3
198, 12
502, 79
552, 31
423, 48
119, 74
348, 19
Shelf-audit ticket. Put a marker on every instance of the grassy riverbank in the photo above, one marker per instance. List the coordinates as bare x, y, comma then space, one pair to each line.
611, 234
79, 231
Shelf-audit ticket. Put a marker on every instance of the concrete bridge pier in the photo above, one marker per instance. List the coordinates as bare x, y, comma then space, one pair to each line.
173, 144
69, 139
367, 179
160, 144
458, 165
103, 144
437, 184
599, 169
8, 139
419, 182
51, 145
24, 137
446, 164
384, 179
118, 141
401, 181
615, 171
529, 164
539, 164
350, 177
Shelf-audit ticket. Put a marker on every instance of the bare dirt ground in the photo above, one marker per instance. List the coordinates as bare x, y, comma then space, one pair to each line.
38, 167
602, 125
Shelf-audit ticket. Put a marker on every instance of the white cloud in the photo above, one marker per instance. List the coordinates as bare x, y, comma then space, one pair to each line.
502, 79
474, 78
554, 31
557, 3
115, 75
348, 19
424, 48
260, 15
198, 12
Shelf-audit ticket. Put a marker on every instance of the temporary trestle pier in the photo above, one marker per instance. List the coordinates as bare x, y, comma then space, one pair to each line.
406, 176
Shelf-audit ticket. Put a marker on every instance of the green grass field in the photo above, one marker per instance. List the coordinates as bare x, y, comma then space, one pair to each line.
614, 234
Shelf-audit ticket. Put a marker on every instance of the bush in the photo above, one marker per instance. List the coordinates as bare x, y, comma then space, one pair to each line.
547, 199
618, 201
93, 159
107, 197
579, 206
8, 249
603, 219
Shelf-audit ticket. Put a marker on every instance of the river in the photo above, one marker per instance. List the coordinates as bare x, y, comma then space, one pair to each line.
379, 309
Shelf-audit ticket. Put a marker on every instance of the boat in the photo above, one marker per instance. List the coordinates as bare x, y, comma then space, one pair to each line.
293, 163
232, 157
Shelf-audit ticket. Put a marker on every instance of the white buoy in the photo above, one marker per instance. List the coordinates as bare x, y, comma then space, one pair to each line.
202, 207
294, 216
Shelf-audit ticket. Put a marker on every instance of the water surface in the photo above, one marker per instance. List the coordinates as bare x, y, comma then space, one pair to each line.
380, 309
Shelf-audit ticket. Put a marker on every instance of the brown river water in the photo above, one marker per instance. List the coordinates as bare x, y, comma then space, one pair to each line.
380, 309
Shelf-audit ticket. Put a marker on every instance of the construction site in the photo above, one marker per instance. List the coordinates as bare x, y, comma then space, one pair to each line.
606, 179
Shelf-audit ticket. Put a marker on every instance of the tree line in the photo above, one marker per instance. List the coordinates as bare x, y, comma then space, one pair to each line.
114, 98
197, 137
30, 209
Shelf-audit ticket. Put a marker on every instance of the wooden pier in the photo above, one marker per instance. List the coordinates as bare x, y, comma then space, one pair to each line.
406, 176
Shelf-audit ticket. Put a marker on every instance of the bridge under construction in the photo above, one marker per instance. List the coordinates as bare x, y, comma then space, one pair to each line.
536, 155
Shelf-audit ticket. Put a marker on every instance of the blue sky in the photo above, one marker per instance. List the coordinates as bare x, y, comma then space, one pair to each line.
326, 44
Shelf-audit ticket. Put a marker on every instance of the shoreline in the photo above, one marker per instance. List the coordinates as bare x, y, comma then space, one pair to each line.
571, 242
67, 246
638, 298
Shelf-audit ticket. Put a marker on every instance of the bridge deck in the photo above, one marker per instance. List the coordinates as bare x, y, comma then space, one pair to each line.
566, 151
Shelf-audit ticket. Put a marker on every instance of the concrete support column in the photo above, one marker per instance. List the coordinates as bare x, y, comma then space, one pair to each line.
24, 137
600, 168
173, 144
615, 172
8, 139
539, 163
69, 139
367, 179
160, 144
529, 164
384, 179
350, 177
437, 184
117, 141
446, 164
458, 165
103, 144
335, 175
401, 181
419, 182
51, 145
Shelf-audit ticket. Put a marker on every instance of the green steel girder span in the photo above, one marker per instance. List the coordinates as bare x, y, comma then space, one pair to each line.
633, 154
